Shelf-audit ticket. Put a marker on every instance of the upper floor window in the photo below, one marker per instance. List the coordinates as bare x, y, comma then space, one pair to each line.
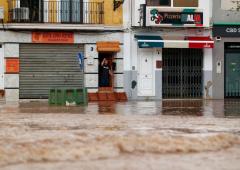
159, 2
176, 3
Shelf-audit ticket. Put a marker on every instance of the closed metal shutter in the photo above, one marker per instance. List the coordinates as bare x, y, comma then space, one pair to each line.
182, 73
45, 66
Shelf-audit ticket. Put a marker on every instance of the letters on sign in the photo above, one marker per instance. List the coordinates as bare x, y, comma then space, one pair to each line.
157, 17
53, 37
226, 31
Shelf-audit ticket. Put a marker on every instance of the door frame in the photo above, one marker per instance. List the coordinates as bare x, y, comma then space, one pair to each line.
139, 55
2, 66
111, 56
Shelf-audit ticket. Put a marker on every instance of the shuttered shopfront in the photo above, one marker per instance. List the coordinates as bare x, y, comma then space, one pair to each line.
182, 73
45, 66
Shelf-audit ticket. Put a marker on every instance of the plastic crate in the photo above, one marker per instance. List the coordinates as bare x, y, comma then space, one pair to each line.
81, 96
70, 96
52, 97
60, 95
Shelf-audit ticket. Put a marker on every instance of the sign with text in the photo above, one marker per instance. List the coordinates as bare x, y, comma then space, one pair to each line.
53, 37
12, 65
226, 31
158, 17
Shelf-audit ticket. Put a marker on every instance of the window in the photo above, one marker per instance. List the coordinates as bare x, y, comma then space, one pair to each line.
185, 3
159, 2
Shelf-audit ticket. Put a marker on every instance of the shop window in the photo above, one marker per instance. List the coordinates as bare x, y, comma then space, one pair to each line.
185, 3
159, 2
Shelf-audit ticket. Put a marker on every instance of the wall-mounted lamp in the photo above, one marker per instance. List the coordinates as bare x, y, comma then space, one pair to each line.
117, 4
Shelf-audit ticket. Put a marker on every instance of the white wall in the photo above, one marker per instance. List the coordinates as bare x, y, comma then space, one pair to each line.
127, 14
1, 67
207, 60
207, 11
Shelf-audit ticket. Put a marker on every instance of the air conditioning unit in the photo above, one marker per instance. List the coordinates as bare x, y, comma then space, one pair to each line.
20, 14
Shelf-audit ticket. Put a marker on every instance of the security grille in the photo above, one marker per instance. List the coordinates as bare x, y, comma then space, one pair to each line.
45, 66
182, 73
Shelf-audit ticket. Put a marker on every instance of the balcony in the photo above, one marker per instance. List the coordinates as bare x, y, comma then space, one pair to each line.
56, 12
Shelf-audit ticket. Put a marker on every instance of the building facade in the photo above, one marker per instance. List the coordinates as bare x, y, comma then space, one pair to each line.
170, 46
226, 62
58, 43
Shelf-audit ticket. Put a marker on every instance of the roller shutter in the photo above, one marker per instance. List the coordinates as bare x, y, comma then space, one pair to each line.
45, 66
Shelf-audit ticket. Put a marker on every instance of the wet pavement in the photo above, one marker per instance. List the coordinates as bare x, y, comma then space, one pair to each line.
171, 134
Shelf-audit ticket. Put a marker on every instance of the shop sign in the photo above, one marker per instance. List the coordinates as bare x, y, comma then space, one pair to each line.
53, 37
12, 65
226, 31
157, 17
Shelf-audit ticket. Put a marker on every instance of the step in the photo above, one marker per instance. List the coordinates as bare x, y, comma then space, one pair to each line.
113, 96
105, 90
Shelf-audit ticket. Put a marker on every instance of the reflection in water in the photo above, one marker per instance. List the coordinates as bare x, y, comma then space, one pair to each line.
183, 107
206, 108
107, 107
232, 108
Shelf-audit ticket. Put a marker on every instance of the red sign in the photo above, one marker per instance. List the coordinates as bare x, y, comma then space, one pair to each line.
207, 42
53, 37
201, 45
12, 65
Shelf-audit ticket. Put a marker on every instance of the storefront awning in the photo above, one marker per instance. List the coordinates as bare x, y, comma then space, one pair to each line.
185, 42
108, 46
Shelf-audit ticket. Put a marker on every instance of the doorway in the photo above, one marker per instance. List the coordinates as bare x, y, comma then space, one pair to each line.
182, 73
146, 77
232, 71
106, 70
1, 68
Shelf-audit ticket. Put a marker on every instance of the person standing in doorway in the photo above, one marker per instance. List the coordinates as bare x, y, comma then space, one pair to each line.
106, 73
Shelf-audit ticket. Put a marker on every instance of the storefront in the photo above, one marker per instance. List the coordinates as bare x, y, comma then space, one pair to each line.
38, 61
226, 61
173, 67
50, 61
171, 51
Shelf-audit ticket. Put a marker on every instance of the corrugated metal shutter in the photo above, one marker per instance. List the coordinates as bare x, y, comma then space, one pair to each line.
45, 66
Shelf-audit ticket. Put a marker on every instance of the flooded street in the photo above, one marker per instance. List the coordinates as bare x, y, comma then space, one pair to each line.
183, 135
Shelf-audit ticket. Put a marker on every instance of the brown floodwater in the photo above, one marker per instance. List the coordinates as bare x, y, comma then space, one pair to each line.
209, 108
171, 134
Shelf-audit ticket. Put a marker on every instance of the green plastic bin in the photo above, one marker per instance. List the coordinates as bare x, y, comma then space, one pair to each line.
61, 96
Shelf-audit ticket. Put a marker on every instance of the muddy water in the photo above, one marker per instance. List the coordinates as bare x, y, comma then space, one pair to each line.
209, 108
36, 136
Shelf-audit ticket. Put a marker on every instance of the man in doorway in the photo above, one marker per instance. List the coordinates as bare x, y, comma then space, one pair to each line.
106, 72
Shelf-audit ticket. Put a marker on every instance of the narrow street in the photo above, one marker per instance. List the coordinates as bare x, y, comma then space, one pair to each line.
167, 134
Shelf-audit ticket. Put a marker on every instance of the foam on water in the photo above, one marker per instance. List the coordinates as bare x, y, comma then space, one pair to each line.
83, 147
